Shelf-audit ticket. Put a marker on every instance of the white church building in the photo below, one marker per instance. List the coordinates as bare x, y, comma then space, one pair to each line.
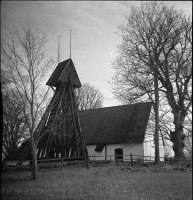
116, 132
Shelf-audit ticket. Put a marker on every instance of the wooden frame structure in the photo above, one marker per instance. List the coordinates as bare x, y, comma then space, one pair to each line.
59, 132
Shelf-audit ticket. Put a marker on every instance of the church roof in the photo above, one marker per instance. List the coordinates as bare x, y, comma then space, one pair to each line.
118, 124
63, 71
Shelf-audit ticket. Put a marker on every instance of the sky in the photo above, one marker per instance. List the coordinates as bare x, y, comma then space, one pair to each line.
94, 39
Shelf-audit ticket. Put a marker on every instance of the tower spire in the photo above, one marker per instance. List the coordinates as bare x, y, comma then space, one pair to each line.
70, 43
58, 49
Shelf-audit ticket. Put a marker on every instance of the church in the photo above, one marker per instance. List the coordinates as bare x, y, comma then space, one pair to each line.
108, 133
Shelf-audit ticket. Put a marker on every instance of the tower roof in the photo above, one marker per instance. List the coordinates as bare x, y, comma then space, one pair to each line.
63, 71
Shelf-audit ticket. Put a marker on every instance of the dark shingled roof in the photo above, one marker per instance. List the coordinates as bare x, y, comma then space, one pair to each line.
119, 124
62, 73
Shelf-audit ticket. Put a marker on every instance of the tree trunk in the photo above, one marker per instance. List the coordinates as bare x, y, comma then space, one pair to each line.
156, 109
34, 159
178, 137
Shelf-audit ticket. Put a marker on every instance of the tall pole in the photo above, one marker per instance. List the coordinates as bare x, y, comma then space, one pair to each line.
156, 108
58, 49
70, 43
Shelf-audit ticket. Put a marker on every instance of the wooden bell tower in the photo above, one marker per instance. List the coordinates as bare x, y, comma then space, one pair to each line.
59, 132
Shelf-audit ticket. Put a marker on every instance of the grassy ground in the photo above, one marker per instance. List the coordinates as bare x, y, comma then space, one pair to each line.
99, 183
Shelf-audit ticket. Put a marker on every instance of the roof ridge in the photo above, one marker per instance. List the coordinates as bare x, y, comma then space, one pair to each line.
116, 106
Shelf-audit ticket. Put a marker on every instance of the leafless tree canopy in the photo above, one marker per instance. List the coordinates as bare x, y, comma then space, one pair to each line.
26, 65
88, 97
156, 37
14, 122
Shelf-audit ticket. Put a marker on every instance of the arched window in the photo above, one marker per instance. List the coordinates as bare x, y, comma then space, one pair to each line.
118, 154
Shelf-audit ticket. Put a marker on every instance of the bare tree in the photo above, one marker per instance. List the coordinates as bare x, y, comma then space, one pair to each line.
88, 97
14, 124
156, 37
26, 64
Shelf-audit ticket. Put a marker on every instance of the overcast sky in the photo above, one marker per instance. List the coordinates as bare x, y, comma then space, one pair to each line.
93, 25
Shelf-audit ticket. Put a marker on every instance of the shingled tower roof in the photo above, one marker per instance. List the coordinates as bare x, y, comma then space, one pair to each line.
62, 73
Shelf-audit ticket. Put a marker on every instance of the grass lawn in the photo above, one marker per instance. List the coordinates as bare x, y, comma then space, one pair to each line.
101, 183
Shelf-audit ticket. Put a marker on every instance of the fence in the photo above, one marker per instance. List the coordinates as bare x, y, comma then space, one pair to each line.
106, 160
114, 159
